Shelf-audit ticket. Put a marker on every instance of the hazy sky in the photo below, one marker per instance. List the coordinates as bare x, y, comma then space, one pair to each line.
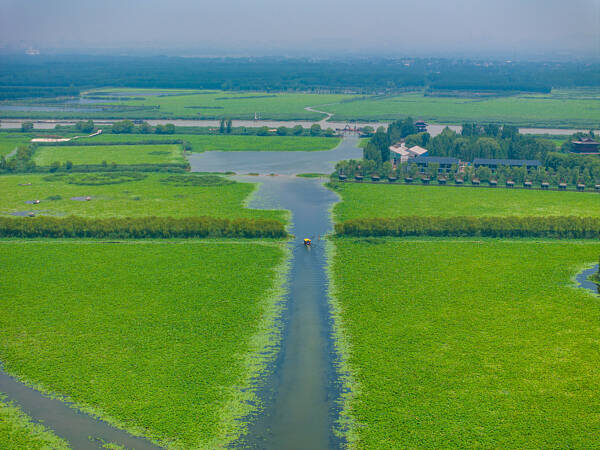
394, 27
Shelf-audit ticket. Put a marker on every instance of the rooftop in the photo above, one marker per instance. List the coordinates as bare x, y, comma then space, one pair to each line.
506, 162
434, 159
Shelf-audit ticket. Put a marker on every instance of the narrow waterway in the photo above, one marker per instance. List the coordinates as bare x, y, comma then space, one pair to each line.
80, 430
584, 282
300, 393
433, 129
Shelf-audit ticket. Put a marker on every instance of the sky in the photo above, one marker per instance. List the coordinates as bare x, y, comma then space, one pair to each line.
320, 27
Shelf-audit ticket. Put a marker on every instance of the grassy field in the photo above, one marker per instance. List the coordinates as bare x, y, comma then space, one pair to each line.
202, 143
228, 104
153, 195
120, 154
161, 338
18, 432
559, 109
469, 343
370, 200
8, 142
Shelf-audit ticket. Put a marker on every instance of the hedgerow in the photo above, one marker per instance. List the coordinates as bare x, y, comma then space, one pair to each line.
139, 227
562, 227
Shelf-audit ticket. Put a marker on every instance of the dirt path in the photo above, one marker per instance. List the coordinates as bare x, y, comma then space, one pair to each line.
321, 122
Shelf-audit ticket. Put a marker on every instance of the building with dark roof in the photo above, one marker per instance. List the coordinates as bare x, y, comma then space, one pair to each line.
423, 162
493, 164
420, 126
585, 146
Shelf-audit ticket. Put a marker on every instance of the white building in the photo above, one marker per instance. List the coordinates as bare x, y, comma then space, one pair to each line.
399, 153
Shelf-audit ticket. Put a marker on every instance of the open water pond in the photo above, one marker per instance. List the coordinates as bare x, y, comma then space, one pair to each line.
285, 163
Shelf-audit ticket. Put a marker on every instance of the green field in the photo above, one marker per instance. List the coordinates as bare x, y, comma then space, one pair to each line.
224, 143
119, 154
371, 200
559, 109
18, 432
219, 104
9, 142
161, 338
153, 195
469, 343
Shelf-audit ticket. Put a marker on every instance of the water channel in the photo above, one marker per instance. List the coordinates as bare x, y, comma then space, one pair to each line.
583, 280
433, 129
301, 391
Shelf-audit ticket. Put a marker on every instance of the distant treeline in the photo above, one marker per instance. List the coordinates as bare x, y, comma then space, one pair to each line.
556, 227
139, 228
367, 75
11, 92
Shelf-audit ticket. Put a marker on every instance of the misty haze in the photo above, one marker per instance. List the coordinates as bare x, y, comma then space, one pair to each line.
309, 225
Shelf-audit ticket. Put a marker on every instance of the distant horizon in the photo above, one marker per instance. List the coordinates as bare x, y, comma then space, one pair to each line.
228, 53
511, 29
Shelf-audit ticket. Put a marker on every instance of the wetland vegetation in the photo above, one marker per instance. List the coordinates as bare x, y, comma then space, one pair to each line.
151, 195
18, 431
180, 326
469, 343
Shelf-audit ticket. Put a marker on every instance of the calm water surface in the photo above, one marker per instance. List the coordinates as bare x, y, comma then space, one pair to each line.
301, 392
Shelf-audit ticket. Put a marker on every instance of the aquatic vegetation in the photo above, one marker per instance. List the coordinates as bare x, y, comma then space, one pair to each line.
96, 178
468, 343
196, 180
18, 431
161, 338
154, 198
381, 200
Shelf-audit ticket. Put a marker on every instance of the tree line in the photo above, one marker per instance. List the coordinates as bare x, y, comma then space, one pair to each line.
365, 75
555, 227
139, 228
490, 141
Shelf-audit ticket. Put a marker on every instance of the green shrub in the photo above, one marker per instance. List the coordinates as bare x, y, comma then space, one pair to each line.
561, 227
139, 227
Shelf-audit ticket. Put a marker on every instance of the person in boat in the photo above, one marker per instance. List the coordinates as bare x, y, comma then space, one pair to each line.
307, 242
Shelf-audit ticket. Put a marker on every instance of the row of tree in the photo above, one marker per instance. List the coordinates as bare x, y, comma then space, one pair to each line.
139, 228
22, 76
556, 227
589, 176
